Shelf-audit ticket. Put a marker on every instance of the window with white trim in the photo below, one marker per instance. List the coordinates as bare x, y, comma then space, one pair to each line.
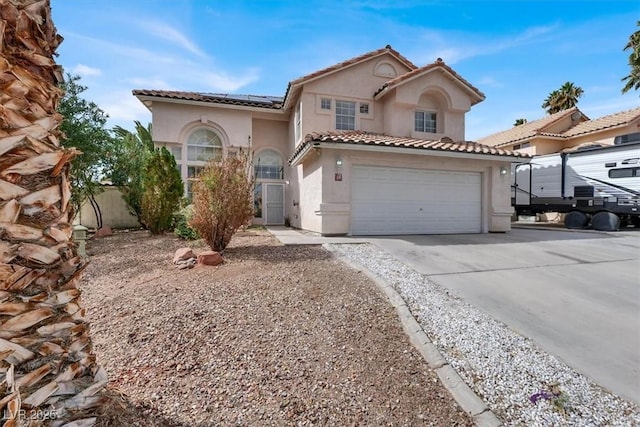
425, 121
268, 164
298, 124
202, 145
364, 108
325, 103
345, 115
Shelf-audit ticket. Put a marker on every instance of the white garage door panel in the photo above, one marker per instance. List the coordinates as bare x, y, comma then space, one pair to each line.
412, 201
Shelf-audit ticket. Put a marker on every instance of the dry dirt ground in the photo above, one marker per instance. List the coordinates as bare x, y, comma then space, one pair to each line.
275, 336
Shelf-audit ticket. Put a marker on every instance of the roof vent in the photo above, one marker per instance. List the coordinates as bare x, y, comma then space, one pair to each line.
439, 60
575, 116
388, 46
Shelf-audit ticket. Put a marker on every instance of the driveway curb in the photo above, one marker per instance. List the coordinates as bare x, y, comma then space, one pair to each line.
468, 400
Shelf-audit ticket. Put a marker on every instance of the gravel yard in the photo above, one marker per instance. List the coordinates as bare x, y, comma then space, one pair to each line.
522, 384
275, 336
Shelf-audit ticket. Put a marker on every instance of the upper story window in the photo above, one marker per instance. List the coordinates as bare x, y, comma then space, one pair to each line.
268, 164
345, 115
298, 124
364, 108
425, 121
202, 145
325, 103
521, 146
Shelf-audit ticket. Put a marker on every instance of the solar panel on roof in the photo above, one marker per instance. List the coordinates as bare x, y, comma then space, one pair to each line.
238, 97
260, 99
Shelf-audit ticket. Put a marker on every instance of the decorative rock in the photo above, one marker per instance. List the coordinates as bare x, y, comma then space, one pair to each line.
183, 254
185, 263
210, 258
104, 232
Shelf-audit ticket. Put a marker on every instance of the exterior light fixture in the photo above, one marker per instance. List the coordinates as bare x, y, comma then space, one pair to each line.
503, 170
339, 162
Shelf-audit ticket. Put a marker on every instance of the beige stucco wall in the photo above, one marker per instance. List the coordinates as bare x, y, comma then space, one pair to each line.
331, 213
310, 196
270, 134
606, 136
393, 114
403, 101
115, 212
172, 123
357, 83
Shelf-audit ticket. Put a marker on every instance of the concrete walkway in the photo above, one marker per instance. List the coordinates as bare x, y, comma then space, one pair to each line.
290, 236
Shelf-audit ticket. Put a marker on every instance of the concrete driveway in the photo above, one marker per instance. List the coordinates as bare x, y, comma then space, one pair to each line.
576, 294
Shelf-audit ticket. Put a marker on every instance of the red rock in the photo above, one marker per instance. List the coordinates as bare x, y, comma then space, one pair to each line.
183, 254
104, 232
210, 258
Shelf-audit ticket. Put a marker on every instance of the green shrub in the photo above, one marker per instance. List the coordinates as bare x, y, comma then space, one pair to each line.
163, 190
181, 225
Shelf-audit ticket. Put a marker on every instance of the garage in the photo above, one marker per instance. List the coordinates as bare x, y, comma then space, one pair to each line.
388, 200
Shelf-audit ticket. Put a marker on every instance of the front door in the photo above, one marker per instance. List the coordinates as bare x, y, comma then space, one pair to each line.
274, 204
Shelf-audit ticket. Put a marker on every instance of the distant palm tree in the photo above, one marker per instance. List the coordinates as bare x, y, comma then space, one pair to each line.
519, 122
562, 99
633, 79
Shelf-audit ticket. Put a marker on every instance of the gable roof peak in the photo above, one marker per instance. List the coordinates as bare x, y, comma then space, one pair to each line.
294, 84
439, 64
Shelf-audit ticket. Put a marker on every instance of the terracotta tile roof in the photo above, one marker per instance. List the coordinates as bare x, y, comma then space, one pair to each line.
347, 63
438, 64
622, 118
527, 130
271, 102
380, 140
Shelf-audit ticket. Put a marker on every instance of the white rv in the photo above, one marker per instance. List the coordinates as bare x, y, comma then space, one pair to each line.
597, 186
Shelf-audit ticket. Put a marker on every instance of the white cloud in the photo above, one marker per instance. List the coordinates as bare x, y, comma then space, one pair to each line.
86, 71
150, 83
489, 81
110, 49
123, 108
169, 33
455, 47
223, 82
609, 106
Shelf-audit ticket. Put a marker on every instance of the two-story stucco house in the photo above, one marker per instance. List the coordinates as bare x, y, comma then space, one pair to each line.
372, 145
567, 130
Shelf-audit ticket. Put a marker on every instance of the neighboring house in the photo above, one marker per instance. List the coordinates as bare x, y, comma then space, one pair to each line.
566, 130
372, 145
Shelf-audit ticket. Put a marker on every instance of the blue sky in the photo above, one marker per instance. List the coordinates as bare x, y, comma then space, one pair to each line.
516, 52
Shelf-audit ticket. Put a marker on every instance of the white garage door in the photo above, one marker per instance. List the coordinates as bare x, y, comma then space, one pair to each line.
412, 201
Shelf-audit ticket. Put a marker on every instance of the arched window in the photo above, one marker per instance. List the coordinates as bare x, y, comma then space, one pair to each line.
268, 164
202, 145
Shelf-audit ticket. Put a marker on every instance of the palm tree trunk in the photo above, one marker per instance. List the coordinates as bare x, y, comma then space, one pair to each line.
47, 366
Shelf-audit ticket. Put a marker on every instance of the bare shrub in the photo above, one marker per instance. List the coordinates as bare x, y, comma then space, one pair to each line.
222, 200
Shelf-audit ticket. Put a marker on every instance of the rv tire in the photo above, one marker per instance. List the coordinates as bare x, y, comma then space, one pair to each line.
576, 220
605, 221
